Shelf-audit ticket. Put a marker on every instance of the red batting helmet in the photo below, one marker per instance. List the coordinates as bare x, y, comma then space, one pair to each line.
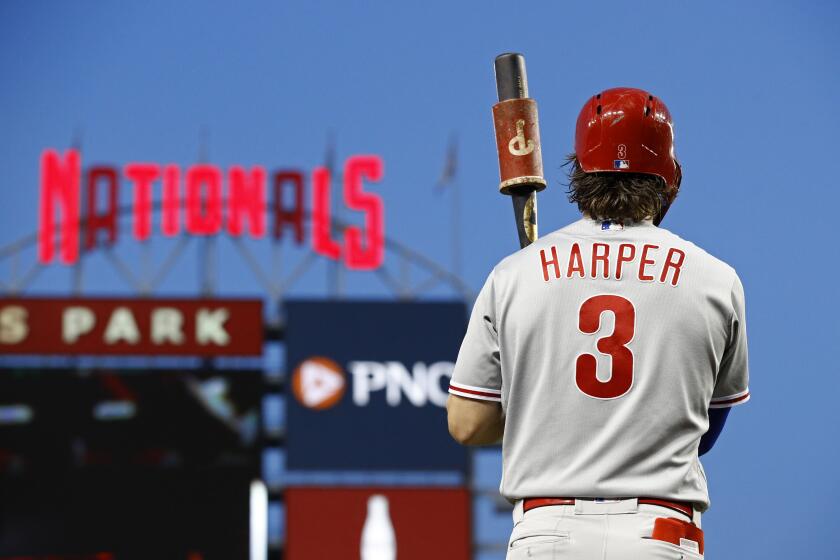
628, 130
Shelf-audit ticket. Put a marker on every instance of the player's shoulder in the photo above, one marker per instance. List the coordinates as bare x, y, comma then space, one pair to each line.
513, 260
512, 263
714, 264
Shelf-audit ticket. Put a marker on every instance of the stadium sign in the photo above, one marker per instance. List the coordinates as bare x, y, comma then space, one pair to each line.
375, 523
204, 200
196, 327
319, 383
368, 385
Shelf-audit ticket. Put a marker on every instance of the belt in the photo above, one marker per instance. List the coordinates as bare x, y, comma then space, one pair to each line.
683, 507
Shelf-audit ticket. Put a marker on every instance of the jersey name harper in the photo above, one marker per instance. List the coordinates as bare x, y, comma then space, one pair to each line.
646, 263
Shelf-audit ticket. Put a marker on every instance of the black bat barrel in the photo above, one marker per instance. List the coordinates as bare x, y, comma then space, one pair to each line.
511, 79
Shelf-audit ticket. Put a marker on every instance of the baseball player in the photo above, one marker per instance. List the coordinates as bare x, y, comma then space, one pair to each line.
605, 356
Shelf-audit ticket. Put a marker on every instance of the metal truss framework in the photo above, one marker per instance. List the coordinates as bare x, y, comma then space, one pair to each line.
406, 273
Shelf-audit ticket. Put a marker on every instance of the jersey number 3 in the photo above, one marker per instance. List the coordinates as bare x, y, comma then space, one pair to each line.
615, 345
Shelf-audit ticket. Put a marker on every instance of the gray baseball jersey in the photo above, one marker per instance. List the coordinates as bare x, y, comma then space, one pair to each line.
606, 346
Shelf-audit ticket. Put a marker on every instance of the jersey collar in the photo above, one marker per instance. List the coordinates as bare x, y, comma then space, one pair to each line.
614, 225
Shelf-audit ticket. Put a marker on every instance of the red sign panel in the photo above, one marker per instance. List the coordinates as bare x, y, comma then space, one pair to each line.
371, 523
181, 327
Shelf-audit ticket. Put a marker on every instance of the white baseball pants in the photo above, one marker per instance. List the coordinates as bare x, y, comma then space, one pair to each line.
589, 530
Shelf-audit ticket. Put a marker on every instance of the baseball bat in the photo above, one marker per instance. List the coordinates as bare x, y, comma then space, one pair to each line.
516, 124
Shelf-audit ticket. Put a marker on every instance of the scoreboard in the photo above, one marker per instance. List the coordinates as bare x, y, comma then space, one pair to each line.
158, 463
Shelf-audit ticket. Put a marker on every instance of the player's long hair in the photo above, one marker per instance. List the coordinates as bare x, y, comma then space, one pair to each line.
615, 196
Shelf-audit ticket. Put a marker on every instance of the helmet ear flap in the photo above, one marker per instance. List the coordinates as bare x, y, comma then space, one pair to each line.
670, 194
677, 179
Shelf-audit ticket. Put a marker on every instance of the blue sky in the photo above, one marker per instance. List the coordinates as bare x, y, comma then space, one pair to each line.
751, 85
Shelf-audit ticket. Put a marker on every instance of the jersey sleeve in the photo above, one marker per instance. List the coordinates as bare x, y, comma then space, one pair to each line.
732, 383
478, 373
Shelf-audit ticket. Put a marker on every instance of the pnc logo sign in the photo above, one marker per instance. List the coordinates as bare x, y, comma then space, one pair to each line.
319, 383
